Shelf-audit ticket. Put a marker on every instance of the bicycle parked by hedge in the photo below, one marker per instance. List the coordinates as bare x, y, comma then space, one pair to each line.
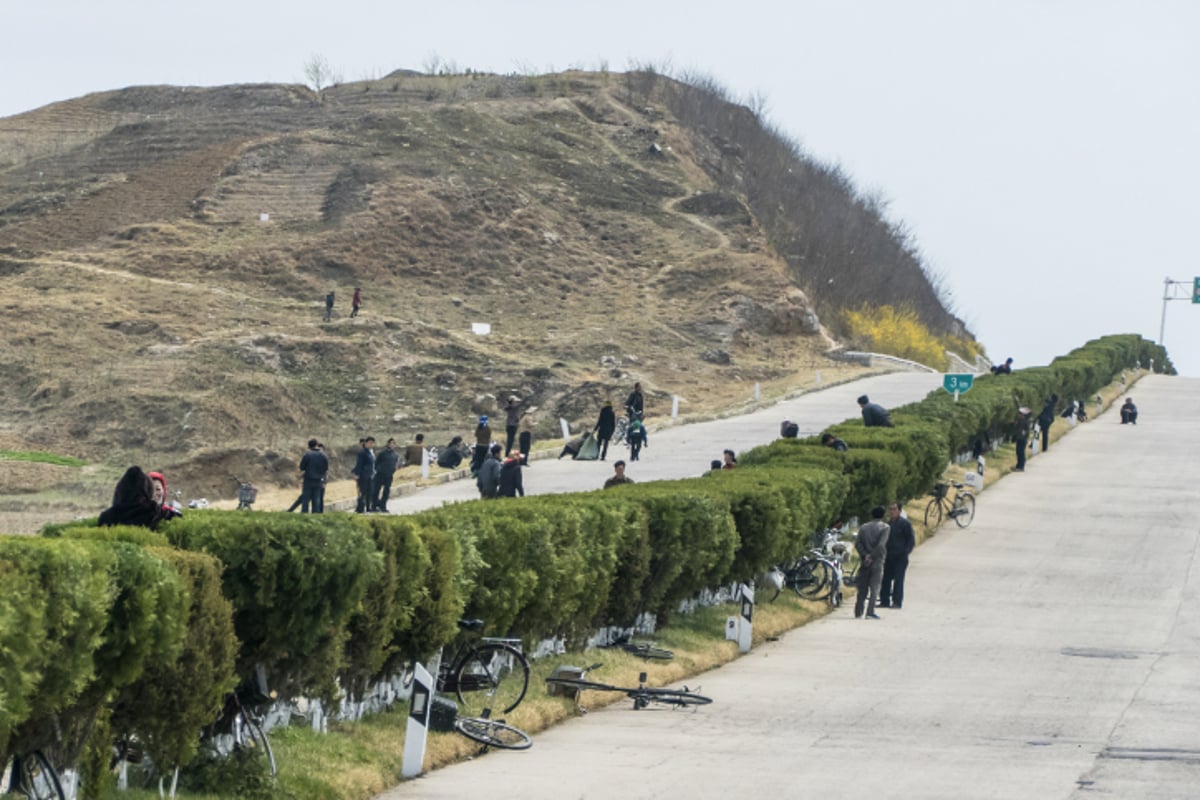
32, 776
960, 507
485, 674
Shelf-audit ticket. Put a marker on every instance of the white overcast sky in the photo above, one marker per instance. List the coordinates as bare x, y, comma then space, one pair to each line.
1044, 154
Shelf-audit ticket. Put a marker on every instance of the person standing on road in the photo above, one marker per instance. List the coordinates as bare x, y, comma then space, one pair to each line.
873, 414
488, 481
386, 462
1045, 419
618, 477
364, 475
871, 545
1021, 435
635, 404
900, 543
512, 421
314, 468
356, 302
329, 306
483, 442
510, 477
605, 425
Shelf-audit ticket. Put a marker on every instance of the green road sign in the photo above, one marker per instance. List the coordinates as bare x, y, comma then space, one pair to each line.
958, 383
1196, 290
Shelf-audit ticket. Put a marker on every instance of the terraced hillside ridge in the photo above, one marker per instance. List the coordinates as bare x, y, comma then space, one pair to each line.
165, 252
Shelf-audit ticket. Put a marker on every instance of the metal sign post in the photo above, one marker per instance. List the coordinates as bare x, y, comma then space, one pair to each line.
958, 383
739, 628
418, 723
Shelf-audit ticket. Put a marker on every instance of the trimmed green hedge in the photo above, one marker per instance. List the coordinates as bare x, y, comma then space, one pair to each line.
99, 623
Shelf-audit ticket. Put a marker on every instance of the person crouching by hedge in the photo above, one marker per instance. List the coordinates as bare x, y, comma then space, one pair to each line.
133, 502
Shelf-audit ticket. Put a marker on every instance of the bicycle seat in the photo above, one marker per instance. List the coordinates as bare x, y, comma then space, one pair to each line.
957, 485
470, 624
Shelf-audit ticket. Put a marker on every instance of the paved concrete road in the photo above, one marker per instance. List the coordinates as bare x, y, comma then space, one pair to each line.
1051, 650
686, 450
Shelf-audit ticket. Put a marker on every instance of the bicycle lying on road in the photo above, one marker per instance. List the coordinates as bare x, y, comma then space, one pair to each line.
492, 732
960, 507
642, 695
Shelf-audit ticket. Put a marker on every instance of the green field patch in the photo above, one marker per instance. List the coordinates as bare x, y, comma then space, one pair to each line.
39, 457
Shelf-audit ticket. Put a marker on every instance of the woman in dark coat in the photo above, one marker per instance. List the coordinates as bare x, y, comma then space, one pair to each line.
133, 502
511, 484
605, 427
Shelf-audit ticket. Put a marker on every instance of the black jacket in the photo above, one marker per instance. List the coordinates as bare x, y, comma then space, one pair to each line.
510, 478
386, 461
606, 424
901, 540
315, 465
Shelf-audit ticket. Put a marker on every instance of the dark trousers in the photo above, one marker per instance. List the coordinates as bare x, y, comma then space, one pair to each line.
1045, 438
891, 589
365, 486
383, 490
603, 441
634, 449
477, 457
526, 442
510, 432
1022, 443
312, 497
869, 579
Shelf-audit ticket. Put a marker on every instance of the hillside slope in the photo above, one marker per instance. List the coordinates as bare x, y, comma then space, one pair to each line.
165, 251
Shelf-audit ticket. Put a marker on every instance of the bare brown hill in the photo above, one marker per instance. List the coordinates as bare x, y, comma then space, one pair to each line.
164, 254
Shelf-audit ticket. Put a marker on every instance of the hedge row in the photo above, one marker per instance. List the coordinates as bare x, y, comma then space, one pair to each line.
113, 619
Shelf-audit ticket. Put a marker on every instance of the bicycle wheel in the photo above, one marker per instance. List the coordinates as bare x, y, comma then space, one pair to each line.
812, 579
491, 733
670, 697
256, 741
647, 651
35, 777
492, 676
964, 509
933, 514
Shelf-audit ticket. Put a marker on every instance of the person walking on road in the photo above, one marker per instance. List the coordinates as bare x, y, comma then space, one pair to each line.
329, 306
314, 469
637, 438
386, 462
900, 543
871, 545
356, 302
873, 414
605, 425
364, 475
618, 477
488, 481
1046, 419
1021, 435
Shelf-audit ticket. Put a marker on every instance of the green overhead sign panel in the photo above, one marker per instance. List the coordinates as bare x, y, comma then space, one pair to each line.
958, 383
